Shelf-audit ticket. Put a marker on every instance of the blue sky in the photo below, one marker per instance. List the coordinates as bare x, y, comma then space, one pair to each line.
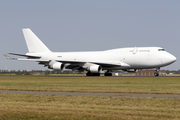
89, 25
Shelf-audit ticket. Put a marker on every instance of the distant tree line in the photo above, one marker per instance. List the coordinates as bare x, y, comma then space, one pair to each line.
47, 72
33, 72
173, 71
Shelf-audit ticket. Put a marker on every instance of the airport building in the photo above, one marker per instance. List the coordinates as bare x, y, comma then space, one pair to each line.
150, 72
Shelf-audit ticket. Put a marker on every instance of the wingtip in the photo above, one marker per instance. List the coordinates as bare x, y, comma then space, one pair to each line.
7, 57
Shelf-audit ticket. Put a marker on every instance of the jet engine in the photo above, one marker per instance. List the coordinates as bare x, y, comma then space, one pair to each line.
95, 69
56, 65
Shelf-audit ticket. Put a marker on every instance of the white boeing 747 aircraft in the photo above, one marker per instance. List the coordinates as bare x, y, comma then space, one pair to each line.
95, 62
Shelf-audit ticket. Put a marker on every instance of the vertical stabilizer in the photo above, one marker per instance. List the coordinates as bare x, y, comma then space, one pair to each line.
34, 44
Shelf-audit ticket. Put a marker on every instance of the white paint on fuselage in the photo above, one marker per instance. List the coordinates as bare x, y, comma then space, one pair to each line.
135, 57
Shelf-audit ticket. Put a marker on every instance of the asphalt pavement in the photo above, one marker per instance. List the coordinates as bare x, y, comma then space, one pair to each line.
92, 94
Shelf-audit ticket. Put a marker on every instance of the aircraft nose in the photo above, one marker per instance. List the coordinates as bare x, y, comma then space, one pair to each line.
173, 58
169, 58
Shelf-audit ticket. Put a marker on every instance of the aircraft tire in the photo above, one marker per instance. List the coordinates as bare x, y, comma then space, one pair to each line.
92, 74
156, 74
108, 74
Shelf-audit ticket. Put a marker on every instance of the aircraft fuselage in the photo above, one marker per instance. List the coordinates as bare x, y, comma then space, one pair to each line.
124, 58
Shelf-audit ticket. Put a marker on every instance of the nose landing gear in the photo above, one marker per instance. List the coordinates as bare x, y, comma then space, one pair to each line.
156, 74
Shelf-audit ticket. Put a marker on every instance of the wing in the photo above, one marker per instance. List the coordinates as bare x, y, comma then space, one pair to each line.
68, 64
73, 65
28, 58
9, 58
105, 64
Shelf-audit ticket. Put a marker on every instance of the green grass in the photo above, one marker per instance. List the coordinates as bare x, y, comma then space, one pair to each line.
157, 85
46, 107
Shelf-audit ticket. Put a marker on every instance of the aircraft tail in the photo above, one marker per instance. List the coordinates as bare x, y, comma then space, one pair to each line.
34, 44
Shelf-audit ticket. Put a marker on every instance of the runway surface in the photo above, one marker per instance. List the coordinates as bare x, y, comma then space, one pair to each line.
83, 76
92, 94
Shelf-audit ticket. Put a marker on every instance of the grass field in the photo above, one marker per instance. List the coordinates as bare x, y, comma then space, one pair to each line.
45, 107
157, 85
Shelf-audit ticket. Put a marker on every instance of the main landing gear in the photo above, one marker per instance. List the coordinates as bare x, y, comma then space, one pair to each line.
108, 73
156, 74
92, 74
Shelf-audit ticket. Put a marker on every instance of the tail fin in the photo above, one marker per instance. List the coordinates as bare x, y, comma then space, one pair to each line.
34, 44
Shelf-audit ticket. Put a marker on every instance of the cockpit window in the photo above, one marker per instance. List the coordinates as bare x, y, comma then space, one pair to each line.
161, 49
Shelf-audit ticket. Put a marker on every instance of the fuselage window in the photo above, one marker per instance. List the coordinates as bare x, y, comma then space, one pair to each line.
143, 50
161, 50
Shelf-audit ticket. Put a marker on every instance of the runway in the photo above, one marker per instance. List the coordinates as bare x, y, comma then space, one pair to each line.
92, 94
88, 76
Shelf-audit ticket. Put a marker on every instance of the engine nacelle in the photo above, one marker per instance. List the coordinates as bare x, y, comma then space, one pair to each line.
56, 65
95, 69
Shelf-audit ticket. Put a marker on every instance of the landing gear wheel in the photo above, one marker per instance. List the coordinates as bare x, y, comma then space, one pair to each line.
92, 74
156, 74
95, 74
108, 74
88, 74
